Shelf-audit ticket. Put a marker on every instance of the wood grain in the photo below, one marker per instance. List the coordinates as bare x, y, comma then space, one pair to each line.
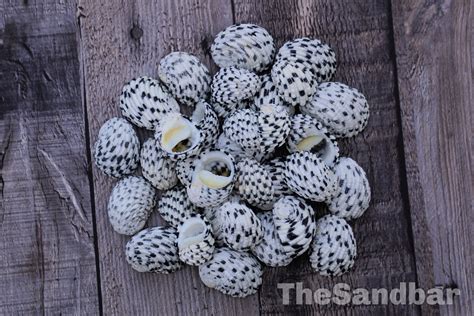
435, 51
47, 259
121, 40
360, 33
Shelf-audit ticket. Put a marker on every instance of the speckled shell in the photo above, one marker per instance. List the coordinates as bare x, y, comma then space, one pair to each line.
130, 204
116, 151
154, 250
230, 146
174, 206
242, 229
343, 110
309, 177
195, 248
295, 224
334, 247
211, 214
231, 272
185, 76
157, 168
353, 194
303, 126
295, 82
267, 95
231, 87
276, 168
254, 183
145, 102
246, 46
270, 251
207, 121
312, 52
185, 169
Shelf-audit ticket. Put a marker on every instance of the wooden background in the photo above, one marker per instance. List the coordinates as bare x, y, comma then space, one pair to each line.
62, 66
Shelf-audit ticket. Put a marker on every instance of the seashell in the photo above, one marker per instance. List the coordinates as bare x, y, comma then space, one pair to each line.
231, 272
130, 204
231, 87
144, 102
276, 169
213, 179
341, 109
154, 250
185, 76
254, 183
267, 95
211, 214
185, 169
307, 134
195, 241
294, 224
157, 167
309, 177
178, 137
246, 46
234, 149
175, 207
242, 229
295, 82
207, 121
270, 250
334, 247
353, 194
116, 151
313, 53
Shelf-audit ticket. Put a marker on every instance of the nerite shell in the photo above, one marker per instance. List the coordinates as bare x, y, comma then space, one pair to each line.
246, 46
254, 183
207, 121
174, 206
116, 151
157, 167
230, 146
185, 76
154, 250
334, 247
268, 96
145, 102
307, 134
233, 273
353, 194
309, 177
195, 241
130, 204
341, 109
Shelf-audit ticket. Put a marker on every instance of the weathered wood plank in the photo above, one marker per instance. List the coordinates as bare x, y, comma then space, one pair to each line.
121, 40
434, 51
360, 33
47, 259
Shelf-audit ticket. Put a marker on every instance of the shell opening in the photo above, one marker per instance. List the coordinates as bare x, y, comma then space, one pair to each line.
191, 232
320, 145
178, 135
215, 170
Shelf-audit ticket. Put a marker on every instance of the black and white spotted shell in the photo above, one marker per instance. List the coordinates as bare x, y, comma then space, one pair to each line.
209, 186
295, 82
267, 95
309, 177
130, 204
258, 133
313, 53
334, 246
246, 46
144, 102
230, 146
187, 79
343, 110
117, 149
157, 167
234, 273
307, 134
174, 130
185, 169
270, 251
294, 224
174, 206
254, 183
211, 214
154, 250
195, 241
207, 121
231, 87
242, 229
353, 193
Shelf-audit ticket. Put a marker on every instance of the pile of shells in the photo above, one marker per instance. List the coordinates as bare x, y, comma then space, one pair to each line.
254, 175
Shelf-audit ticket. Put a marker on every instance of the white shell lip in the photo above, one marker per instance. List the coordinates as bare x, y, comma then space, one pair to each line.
178, 135
205, 177
191, 232
318, 143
